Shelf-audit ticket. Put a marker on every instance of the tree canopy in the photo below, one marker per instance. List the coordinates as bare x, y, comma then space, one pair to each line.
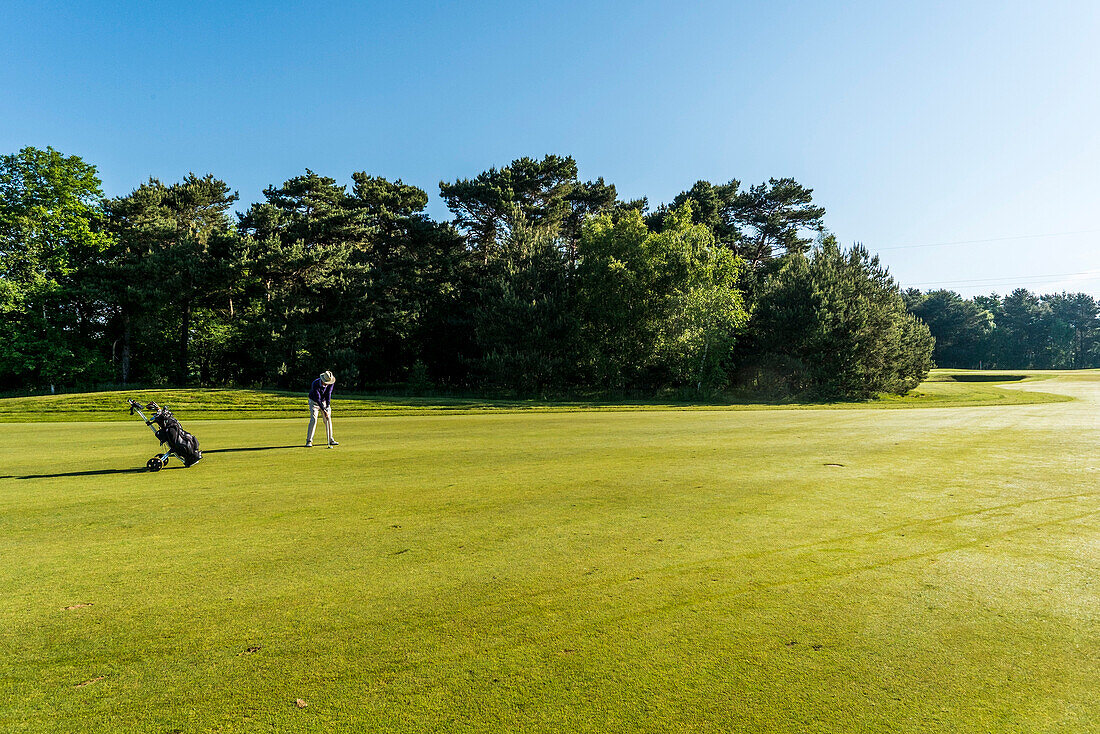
1021, 330
50, 231
542, 283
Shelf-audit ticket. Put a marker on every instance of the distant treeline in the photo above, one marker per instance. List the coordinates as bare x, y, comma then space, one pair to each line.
1019, 331
541, 284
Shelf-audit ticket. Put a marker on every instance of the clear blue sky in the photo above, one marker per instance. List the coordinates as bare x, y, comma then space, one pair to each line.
914, 123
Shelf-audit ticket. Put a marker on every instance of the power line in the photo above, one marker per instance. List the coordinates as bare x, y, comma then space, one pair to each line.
1095, 275
991, 239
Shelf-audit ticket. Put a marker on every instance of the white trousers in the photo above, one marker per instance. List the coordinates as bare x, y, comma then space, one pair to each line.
326, 415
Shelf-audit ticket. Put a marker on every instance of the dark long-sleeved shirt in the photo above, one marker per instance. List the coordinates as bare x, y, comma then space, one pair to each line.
321, 393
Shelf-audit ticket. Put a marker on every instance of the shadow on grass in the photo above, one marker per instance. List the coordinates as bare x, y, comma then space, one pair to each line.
93, 473
141, 470
963, 377
249, 448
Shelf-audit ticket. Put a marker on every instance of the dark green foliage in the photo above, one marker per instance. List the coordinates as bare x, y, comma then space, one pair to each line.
773, 217
544, 194
524, 327
1021, 341
833, 324
766, 220
1075, 330
538, 191
174, 264
961, 327
412, 268
305, 280
1020, 331
543, 283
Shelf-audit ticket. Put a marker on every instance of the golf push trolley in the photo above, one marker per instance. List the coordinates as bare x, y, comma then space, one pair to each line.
168, 430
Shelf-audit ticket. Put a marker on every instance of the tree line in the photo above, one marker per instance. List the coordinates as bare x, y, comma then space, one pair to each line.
540, 284
1019, 331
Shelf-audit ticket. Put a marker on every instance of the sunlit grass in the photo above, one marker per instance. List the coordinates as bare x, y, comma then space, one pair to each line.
651, 570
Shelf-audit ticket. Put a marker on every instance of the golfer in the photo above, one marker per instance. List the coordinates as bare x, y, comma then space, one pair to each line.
320, 401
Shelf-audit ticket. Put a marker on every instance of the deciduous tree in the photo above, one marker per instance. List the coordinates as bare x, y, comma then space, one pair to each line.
50, 228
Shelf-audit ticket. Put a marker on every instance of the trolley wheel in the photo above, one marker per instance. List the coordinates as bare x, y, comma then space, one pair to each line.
154, 464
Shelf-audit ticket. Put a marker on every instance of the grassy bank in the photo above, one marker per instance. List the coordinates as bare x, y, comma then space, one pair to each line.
943, 388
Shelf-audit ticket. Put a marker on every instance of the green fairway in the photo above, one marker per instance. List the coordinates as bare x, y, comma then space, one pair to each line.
797, 570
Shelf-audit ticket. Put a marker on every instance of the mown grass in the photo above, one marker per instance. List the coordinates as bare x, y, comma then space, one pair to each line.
944, 387
592, 571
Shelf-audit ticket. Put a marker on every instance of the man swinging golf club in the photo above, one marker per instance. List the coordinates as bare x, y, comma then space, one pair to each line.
320, 401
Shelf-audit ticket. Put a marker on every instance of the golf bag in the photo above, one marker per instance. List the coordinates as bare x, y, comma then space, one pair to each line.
182, 443
168, 431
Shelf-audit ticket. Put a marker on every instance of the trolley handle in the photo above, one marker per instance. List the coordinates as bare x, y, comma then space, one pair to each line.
135, 407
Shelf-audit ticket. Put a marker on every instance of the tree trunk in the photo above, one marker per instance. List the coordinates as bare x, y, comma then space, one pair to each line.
125, 363
45, 327
185, 334
702, 366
